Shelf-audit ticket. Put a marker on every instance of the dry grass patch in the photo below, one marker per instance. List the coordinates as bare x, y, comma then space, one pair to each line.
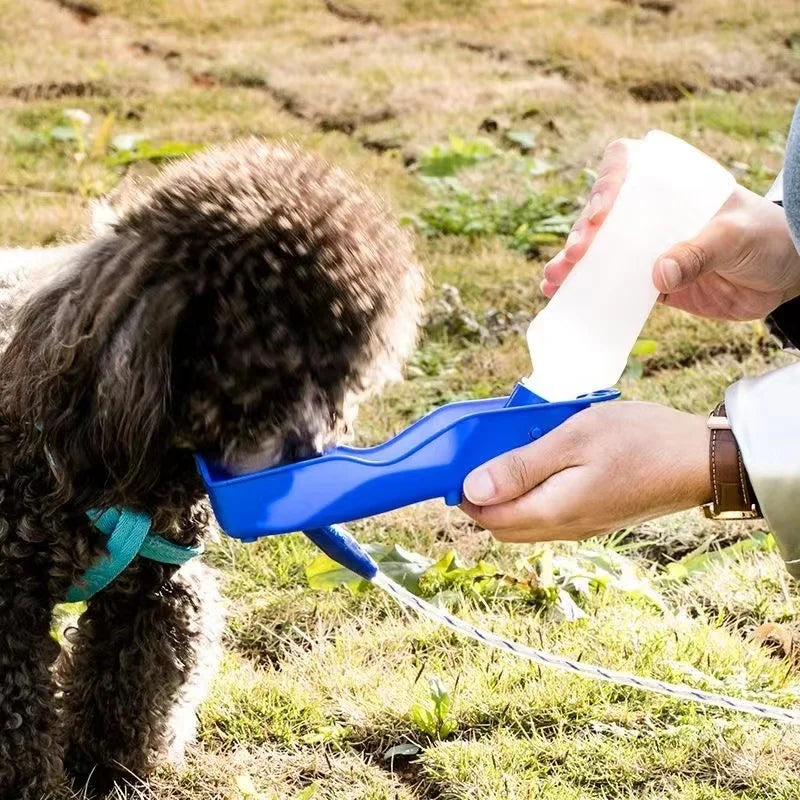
68, 58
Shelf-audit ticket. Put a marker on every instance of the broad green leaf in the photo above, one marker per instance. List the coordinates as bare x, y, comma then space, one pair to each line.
702, 562
424, 719
399, 564
325, 574
308, 792
445, 565
450, 571
405, 749
404, 566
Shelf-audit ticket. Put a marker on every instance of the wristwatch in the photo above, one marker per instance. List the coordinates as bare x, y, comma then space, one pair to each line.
734, 497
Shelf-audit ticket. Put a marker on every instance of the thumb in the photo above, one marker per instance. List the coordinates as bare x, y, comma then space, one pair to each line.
684, 263
515, 473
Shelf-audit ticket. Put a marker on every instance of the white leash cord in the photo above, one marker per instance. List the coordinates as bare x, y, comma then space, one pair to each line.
675, 690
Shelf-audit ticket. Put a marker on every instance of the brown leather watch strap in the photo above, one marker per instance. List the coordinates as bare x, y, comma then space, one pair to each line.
734, 497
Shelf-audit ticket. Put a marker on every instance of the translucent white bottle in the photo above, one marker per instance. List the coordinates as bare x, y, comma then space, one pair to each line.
581, 340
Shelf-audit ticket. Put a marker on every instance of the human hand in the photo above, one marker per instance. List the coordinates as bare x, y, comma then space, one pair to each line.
741, 266
610, 466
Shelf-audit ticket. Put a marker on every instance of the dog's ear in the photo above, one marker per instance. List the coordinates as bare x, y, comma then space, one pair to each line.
87, 373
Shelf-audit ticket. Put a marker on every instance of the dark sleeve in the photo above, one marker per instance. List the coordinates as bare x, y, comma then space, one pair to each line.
784, 322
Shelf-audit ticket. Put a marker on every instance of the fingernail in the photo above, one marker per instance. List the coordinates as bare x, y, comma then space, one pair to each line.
572, 239
479, 487
596, 205
670, 274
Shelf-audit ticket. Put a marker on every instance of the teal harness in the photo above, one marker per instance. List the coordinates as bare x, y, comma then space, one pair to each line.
128, 536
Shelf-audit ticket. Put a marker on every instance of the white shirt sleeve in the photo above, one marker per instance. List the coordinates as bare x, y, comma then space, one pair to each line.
775, 193
765, 416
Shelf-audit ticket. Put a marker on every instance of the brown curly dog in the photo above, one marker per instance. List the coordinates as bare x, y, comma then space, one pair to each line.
239, 305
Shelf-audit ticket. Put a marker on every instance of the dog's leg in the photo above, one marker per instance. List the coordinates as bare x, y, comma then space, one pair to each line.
30, 756
142, 656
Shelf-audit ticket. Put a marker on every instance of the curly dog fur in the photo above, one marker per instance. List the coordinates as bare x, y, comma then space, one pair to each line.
239, 305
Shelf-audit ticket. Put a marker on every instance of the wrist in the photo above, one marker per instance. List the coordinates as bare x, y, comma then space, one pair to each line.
701, 486
682, 460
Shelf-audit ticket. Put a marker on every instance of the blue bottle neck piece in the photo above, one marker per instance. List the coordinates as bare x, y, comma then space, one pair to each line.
523, 396
337, 543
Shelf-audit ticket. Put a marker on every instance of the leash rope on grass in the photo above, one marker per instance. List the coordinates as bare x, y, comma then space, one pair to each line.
680, 691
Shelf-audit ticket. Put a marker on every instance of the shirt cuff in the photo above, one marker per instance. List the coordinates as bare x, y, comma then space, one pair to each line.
775, 193
765, 417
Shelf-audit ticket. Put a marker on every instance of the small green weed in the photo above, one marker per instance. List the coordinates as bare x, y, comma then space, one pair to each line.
558, 583
640, 350
444, 160
399, 564
526, 224
703, 561
433, 718
94, 148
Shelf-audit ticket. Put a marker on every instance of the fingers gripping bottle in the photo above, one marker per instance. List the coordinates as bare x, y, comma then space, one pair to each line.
581, 340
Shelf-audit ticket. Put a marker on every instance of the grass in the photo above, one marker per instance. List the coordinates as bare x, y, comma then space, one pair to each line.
478, 122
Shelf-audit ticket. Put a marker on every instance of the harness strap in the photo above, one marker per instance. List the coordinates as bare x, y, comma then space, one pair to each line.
129, 535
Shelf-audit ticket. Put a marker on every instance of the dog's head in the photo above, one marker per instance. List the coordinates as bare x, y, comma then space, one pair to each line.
238, 306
